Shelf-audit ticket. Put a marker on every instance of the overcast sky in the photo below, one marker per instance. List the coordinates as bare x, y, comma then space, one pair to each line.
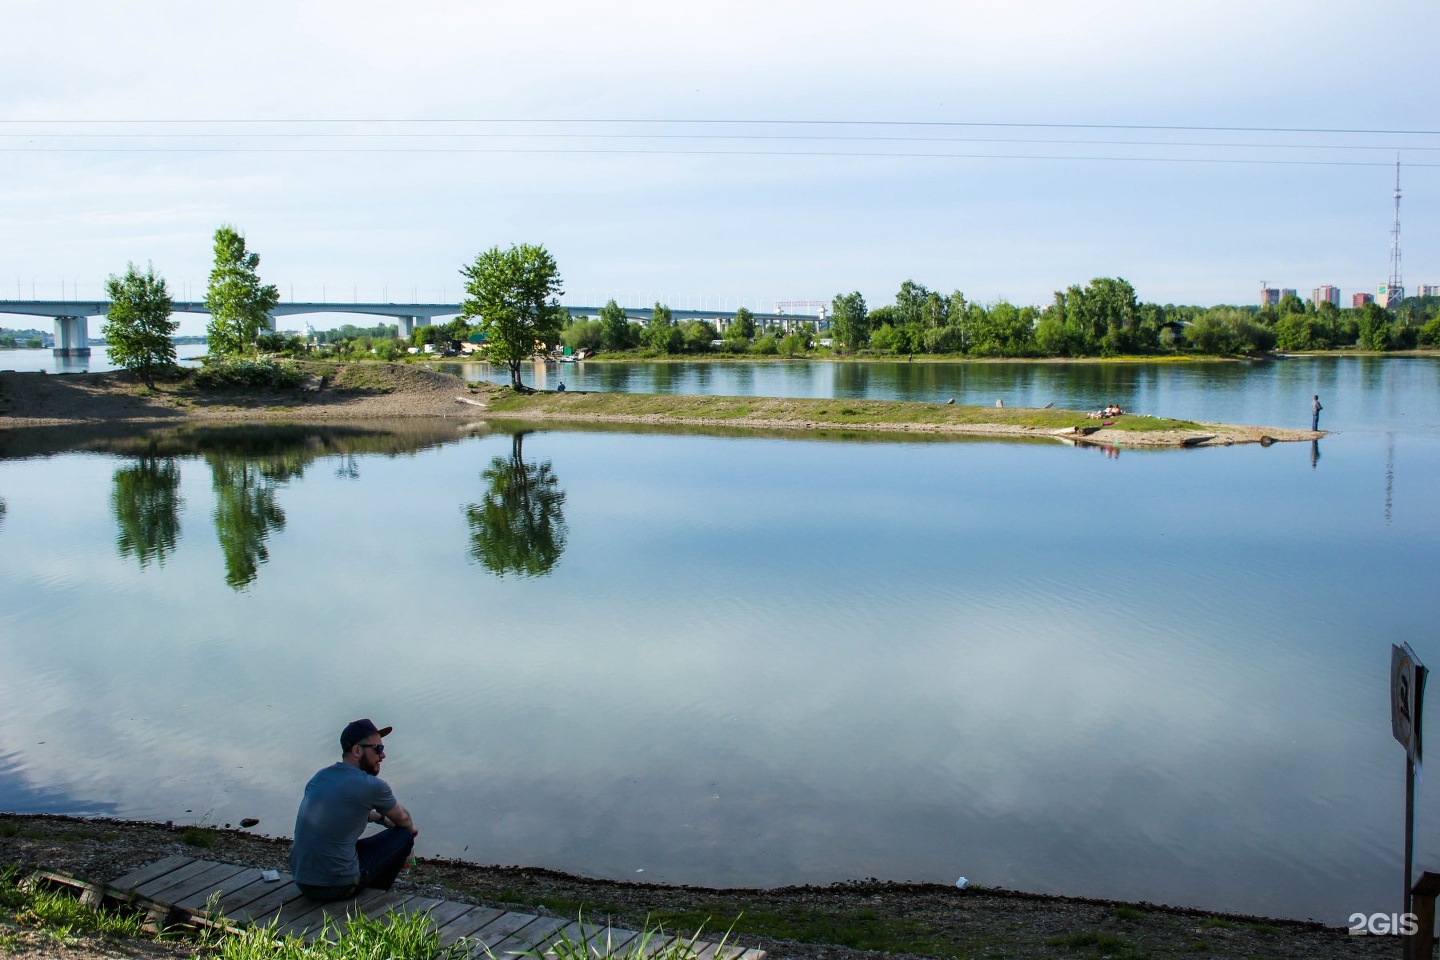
433, 130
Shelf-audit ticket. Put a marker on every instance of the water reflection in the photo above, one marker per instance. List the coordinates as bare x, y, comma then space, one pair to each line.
245, 515
520, 526
146, 500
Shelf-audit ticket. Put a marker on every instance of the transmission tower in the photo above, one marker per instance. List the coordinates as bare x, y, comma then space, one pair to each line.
1395, 288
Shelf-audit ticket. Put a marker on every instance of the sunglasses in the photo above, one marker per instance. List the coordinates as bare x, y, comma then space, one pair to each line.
379, 748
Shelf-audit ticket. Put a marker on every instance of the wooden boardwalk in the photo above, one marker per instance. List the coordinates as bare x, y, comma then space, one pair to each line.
178, 889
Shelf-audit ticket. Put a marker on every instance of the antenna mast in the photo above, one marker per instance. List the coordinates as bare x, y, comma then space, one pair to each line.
1396, 291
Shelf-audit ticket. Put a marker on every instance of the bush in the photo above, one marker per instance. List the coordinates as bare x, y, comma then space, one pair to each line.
279, 343
766, 345
249, 373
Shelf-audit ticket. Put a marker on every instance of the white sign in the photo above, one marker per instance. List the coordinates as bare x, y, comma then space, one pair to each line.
1407, 696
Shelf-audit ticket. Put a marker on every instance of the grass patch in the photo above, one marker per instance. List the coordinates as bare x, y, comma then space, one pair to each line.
1094, 941
404, 937
60, 915
198, 837
863, 929
1264, 928
1129, 913
597, 947
816, 413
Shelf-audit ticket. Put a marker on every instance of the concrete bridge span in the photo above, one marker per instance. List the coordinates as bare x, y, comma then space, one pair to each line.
72, 316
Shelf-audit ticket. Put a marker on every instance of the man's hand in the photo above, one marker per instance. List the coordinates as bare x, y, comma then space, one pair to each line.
400, 817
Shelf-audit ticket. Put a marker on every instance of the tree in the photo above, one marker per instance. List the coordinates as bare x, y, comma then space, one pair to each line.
849, 320
1376, 328
138, 328
245, 513
661, 334
520, 526
515, 294
146, 500
615, 330
743, 326
238, 302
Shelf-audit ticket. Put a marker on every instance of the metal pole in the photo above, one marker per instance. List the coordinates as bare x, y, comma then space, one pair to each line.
1409, 827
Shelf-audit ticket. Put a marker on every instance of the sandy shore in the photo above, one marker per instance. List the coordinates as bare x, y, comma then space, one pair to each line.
373, 391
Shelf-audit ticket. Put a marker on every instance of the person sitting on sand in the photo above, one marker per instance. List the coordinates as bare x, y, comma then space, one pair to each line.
328, 859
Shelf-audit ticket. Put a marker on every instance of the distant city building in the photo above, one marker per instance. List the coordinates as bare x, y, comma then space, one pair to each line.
1325, 293
1360, 299
1269, 297
1389, 296
1428, 290
1286, 292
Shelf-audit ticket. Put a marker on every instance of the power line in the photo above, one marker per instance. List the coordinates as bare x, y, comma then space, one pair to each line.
705, 153
707, 137
1352, 131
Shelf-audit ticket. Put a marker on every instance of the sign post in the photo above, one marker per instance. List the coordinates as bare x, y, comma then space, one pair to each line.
1407, 697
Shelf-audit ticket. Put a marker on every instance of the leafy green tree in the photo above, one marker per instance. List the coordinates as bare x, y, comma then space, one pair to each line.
520, 526
146, 500
616, 331
698, 336
1376, 328
743, 326
583, 334
238, 302
661, 334
849, 320
245, 514
909, 301
138, 328
889, 339
794, 344
515, 294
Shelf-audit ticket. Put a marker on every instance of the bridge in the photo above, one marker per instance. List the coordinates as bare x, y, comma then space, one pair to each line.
72, 332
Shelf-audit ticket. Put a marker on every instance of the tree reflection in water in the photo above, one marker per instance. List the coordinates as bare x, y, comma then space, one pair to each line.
146, 500
246, 512
520, 526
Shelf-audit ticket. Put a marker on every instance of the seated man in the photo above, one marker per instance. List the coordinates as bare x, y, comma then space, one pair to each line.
328, 859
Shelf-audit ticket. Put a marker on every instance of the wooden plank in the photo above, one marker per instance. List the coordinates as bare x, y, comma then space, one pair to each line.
290, 912
447, 911
370, 903
238, 881
502, 928
578, 933
149, 872
468, 924
194, 868
523, 939
244, 896
261, 911
421, 905
202, 882
716, 951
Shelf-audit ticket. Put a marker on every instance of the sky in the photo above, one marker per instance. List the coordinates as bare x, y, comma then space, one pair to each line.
712, 155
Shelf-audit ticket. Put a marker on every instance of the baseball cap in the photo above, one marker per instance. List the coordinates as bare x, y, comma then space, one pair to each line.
357, 730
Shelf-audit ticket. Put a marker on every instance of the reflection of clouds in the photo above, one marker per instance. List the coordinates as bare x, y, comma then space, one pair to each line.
724, 684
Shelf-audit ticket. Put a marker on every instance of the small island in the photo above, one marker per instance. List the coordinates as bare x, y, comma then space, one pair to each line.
369, 391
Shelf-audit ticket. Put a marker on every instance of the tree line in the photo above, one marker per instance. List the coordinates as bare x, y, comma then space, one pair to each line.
512, 298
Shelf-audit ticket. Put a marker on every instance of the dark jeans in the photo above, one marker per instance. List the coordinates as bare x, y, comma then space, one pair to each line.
381, 858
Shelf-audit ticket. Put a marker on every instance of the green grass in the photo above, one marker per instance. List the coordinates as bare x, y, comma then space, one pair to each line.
198, 837
404, 937
58, 914
816, 413
1094, 942
863, 929
597, 946
1129, 913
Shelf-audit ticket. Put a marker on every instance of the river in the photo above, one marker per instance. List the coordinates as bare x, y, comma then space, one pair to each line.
742, 660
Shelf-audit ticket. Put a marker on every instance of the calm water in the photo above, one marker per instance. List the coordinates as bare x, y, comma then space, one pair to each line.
97, 362
756, 661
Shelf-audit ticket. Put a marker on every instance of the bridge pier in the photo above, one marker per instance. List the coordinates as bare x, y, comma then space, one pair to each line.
72, 337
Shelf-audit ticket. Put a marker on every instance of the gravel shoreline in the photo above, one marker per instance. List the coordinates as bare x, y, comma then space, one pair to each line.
934, 920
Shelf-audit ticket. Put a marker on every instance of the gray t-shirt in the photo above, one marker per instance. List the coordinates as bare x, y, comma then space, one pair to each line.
333, 814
